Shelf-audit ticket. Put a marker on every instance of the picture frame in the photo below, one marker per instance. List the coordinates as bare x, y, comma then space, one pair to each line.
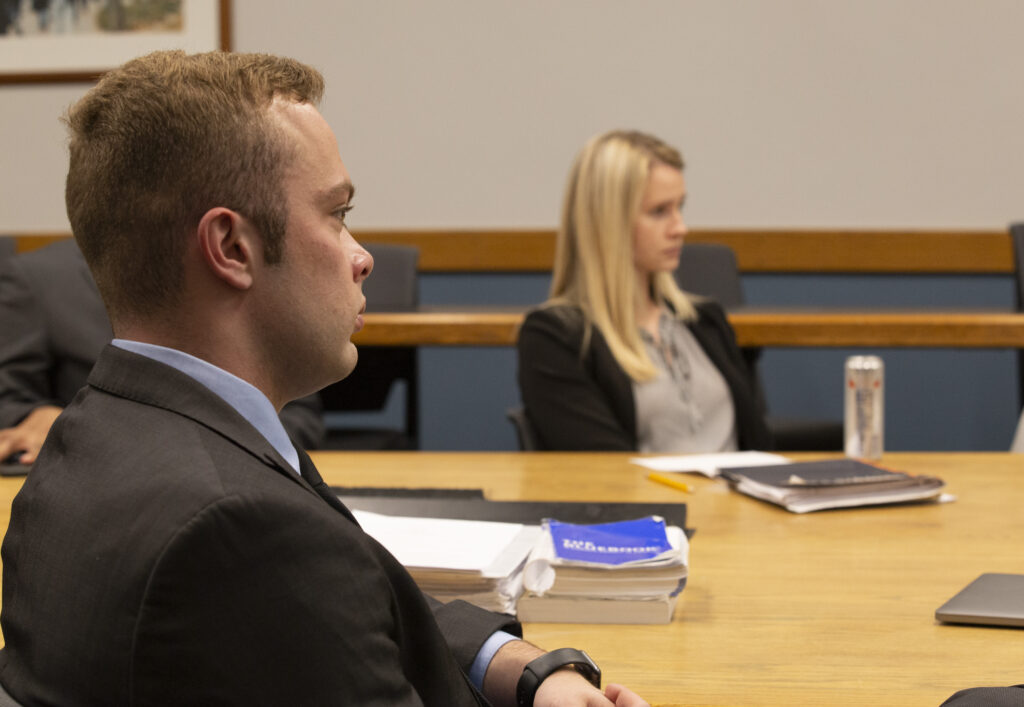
44, 57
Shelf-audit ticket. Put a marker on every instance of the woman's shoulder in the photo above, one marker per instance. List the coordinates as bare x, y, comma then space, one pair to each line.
564, 317
707, 308
553, 323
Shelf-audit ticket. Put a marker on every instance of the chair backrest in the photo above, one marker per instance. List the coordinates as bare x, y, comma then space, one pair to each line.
1017, 237
393, 286
8, 247
525, 432
710, 269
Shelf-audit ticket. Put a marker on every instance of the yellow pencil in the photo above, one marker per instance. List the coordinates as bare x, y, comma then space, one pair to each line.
670, 480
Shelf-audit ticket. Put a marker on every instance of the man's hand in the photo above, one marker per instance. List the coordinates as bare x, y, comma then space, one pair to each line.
29, 434
563, 688
622, 696
567, 688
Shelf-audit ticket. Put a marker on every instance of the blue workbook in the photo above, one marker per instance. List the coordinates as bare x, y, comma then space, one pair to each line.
609, 543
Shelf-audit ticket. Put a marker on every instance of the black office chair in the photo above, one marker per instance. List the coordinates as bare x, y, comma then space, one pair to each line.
526, 433
710, 269
8, 247
392, 287
1017, 237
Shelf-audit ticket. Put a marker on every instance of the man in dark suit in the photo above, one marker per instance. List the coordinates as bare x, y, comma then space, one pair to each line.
171, 546
53, 328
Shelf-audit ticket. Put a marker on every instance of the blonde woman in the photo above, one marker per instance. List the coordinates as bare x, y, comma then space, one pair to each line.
619, 358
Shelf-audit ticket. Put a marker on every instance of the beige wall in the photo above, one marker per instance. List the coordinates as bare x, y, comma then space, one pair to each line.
866, 113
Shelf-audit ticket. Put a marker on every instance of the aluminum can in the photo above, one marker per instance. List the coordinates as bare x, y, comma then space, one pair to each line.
864, 420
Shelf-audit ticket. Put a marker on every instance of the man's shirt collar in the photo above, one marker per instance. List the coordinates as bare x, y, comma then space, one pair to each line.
244, 397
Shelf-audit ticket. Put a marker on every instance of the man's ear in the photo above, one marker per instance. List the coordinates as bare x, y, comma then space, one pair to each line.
228, 243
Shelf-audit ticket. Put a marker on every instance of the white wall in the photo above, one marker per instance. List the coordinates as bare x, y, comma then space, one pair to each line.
866, 113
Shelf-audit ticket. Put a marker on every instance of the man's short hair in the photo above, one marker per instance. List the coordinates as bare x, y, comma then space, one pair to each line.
160, 141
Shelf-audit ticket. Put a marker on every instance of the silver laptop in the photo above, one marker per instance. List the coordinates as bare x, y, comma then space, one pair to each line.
991, 599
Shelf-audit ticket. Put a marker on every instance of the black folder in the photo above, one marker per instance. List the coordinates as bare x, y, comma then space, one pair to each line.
470, 504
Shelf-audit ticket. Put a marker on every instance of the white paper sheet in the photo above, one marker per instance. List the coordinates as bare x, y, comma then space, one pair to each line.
709, 464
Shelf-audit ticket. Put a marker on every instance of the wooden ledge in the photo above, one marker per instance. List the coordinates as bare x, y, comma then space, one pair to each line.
757, 250
754, 327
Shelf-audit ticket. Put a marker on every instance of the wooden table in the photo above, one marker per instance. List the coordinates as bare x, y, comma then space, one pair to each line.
831, 608
462, 326
824, 609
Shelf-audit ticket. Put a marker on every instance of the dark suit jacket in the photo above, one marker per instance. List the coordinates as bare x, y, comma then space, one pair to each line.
52, 328
161, 552
584, 401
1012, 696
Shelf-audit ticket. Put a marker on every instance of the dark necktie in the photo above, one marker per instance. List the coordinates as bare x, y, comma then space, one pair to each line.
312, 476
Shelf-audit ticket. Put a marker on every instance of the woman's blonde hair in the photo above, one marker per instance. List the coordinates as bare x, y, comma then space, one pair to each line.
594, 253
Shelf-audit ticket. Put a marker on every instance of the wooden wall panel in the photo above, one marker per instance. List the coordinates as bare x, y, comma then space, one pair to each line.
765, 251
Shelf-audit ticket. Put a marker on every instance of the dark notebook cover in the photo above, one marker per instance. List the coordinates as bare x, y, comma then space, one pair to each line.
828, 472
470, 504
802, 487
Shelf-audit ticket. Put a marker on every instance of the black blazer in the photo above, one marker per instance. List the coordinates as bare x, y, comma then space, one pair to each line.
162, 552
52, 328
584, 401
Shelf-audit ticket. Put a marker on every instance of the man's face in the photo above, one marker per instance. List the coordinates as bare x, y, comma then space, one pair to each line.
659, 229
312, 301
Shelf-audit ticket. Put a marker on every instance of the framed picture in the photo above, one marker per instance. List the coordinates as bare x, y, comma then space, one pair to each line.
77, 40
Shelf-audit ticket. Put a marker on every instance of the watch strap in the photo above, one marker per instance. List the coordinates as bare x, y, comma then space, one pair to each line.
538, 669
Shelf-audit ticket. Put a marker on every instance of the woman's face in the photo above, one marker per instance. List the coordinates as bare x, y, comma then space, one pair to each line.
659, 229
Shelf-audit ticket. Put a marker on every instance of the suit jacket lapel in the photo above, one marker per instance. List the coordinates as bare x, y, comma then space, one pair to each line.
136, 377
312, 476
129, 375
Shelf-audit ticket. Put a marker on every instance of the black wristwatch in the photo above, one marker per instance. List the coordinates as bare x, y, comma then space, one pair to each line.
539, 668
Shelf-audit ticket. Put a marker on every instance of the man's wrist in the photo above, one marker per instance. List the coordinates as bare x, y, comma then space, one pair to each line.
537, 670
484, 656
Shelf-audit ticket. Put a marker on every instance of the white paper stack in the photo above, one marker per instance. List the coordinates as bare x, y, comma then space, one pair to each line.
478, 561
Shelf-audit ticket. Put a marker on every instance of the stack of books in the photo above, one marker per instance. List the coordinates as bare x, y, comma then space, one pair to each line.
624, 572
478, 561
802, 487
